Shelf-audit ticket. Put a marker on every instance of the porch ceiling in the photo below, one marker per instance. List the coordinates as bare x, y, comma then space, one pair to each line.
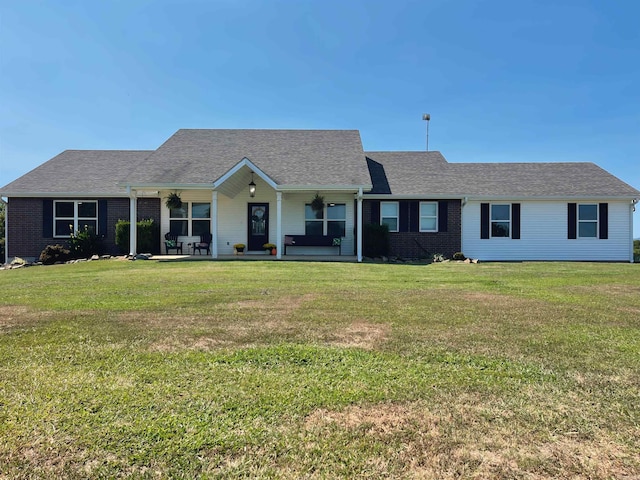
237, 183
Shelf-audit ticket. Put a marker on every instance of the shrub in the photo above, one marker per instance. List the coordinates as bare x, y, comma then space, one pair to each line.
148, 233
85, 243
376, 240
438, 257
459, 256
54, 253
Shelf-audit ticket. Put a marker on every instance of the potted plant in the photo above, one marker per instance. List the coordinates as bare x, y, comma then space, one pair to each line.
317, 204
173, 201
239, 248
270, 248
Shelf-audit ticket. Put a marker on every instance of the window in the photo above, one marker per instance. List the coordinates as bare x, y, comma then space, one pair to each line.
201, 218
193, 218
500, 220
588, 221
332, 224
74, 215
313, 220
428, 216
336, 219
389, 215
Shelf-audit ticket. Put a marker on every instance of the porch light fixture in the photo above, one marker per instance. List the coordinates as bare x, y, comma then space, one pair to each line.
252, 187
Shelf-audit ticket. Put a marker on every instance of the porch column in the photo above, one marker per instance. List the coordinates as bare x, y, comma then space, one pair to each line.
359, 226
214, 224
133, 220
6, 231
279, 225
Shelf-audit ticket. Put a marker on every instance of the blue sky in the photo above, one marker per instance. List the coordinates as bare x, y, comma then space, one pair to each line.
503, 80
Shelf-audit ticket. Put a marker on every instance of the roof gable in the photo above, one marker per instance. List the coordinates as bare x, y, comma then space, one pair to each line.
289, 157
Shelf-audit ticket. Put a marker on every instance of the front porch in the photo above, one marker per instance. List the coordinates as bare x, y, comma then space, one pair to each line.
245, 206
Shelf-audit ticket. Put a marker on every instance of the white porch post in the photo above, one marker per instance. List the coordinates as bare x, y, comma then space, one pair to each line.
214, 224
359, 226
6, 230
279, 225
133, 219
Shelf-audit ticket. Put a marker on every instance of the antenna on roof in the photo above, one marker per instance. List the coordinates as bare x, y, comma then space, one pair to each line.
427, 117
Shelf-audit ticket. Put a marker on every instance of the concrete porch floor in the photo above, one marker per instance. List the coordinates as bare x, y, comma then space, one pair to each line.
257, 257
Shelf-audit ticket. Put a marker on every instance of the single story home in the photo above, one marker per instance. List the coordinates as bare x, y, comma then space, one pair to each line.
258, 186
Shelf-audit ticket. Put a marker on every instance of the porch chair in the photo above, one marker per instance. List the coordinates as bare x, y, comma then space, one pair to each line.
171, 242
204, 244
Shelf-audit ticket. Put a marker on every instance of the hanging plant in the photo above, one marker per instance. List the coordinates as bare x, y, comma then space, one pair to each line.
317, 204
173, 201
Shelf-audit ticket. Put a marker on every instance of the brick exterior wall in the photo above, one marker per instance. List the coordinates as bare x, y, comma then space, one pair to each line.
420, 245
25, 225
148, 208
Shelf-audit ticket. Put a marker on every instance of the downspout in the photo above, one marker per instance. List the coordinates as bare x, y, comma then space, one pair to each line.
6, 230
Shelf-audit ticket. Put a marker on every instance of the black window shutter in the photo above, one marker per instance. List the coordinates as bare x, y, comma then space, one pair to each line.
515, 221
47, 218
484, 220
572, 221
404, 216
414, 216
443, 215
604, 221
375, 212
102, 218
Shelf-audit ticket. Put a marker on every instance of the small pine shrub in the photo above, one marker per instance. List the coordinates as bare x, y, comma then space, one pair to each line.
459, 256
53, 254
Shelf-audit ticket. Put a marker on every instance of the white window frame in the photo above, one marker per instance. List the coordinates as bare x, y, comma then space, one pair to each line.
427, 216
397, 215
325, 220
596, 221
190, 218
75, 221
492, 221
330, 220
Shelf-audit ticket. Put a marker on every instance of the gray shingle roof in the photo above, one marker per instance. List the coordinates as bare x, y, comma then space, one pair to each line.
96, 172
289, 157
308, 158
419, 173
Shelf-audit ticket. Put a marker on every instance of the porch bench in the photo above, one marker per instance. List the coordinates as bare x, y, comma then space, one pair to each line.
312, 241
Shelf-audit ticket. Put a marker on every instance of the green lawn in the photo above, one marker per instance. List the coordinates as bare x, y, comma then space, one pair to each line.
320, 370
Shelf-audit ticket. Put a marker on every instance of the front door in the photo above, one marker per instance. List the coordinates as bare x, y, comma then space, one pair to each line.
258, 223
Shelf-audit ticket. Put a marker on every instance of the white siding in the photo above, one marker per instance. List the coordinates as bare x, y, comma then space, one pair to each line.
543, 234
232, 217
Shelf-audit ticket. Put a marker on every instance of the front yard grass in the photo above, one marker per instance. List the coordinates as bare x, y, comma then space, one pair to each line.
320, 370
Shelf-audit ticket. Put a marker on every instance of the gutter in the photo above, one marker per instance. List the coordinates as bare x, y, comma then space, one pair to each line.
489, 198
